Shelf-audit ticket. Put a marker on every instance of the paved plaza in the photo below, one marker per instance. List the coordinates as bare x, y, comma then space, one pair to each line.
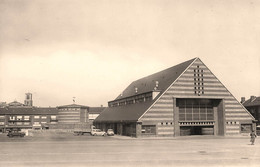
69, 150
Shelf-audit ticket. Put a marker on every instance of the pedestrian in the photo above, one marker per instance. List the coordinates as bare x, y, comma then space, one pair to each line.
253, 136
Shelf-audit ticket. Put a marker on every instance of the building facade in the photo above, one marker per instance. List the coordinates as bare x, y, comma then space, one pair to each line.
186, 99
253, 106
70, 116
27, 117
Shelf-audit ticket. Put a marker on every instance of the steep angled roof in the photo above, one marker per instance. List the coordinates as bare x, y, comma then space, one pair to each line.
254, 102
133, 112
72, 106
147, 84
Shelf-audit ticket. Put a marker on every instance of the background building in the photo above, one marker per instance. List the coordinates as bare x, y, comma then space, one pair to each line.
186, 99
253, 106
27, 117
71, 115
94, 112
74, 115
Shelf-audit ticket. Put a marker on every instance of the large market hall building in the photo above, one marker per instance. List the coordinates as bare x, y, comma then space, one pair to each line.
186, 99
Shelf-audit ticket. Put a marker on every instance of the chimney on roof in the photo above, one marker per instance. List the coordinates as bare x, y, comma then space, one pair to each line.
252, 98
243, 99
156, 85
136, 90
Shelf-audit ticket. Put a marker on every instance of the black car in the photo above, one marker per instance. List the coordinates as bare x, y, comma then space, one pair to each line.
15, 132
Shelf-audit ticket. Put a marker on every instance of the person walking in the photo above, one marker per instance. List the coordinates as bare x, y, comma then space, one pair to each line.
253, 136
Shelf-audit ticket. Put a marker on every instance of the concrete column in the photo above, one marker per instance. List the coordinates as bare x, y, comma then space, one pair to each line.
138, 129
221, 118
215, 112
120, 128
176, 118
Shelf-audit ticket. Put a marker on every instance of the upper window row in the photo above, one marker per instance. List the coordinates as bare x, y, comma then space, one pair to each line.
19, 117
131, 100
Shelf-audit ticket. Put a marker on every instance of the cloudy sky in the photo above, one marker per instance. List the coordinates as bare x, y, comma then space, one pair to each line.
92, 50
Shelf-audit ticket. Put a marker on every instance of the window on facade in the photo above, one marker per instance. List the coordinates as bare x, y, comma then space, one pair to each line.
37, 117
149, 129
2, 117
53, 117
246, 128
195, 110
19, 123
36, 123
26, 117
11, 123
12, 117
43, 122
19, 118
44, 117
26, 123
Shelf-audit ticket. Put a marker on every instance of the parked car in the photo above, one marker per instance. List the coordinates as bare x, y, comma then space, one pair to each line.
98, 132
110, 132
15, 132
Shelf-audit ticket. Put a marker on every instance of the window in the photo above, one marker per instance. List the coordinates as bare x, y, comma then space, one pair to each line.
44, 117
53, 117
26, 117
19, 118
195, 110
37, 117
2, 117
246, 128
12, 117
93, 116
43, 122
149, 129
11, 123
19, 123
26, 123
36, 123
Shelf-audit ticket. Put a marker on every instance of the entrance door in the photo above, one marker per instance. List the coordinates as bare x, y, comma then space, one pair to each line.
196, 130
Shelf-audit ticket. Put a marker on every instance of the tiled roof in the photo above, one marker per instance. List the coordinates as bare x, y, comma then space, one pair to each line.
72, 106
133, 112
96, 110
254, 102
129, 113
147, 84
28, 110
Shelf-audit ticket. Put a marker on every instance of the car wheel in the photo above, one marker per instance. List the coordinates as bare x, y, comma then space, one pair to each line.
95, 134
104, 134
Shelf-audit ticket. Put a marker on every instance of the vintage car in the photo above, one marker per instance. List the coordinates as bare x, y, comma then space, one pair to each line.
98, 132
110, 132
15, 132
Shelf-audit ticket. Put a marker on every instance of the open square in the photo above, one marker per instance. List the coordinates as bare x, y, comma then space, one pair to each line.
69, 150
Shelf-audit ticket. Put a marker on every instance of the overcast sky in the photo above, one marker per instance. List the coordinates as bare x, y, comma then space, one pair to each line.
92, 50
